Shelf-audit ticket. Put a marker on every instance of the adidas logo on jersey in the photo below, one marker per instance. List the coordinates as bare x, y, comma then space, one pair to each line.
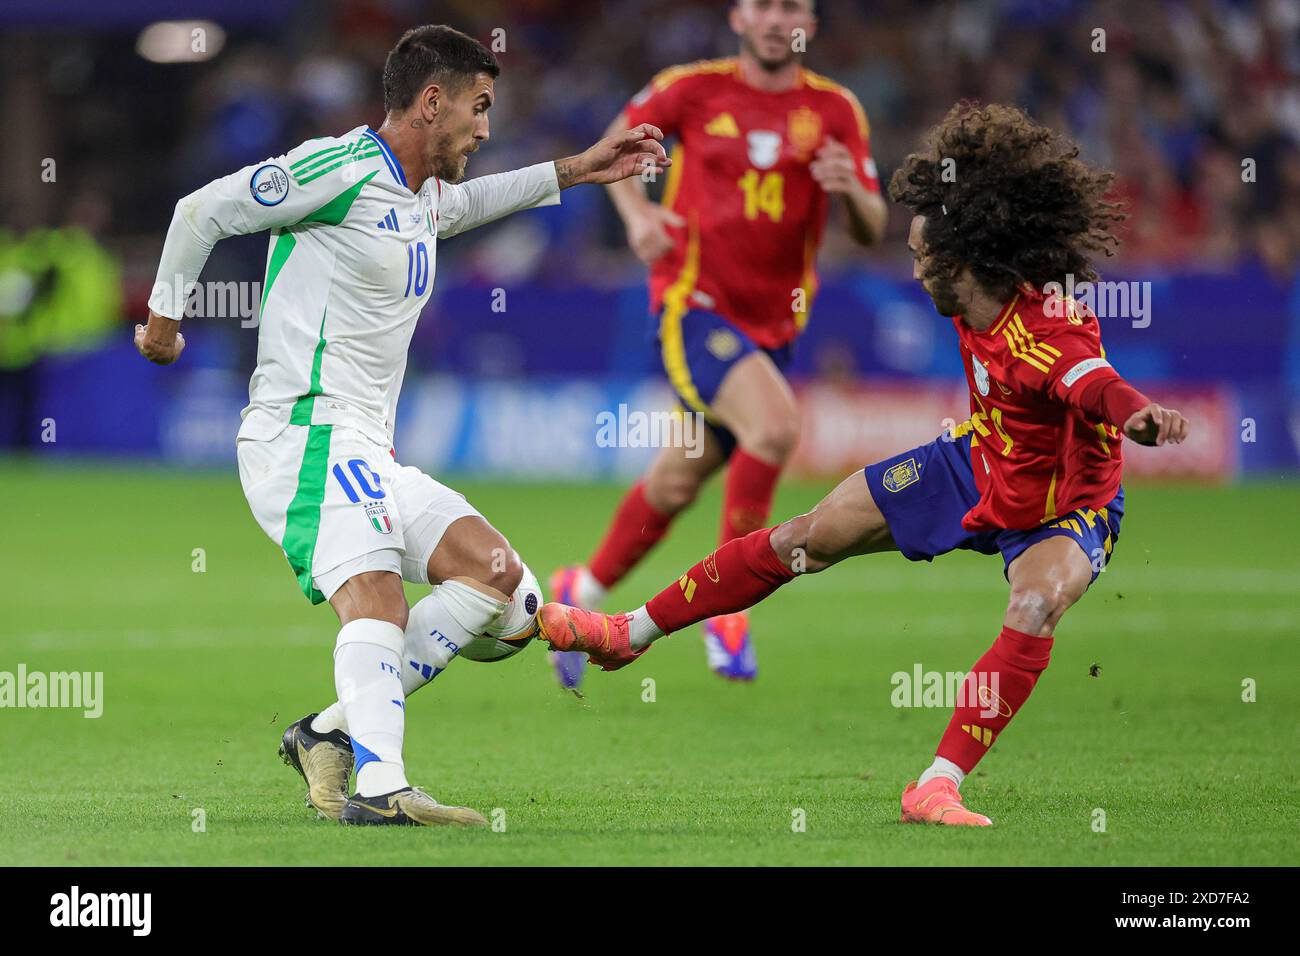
389, 221
724, 124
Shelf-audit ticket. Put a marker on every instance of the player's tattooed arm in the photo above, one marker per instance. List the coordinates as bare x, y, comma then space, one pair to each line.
614, 158
566, 173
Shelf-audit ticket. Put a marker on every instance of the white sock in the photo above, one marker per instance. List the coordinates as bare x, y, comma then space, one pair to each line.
589, 593
942, 768
469, 607
367, 678
330, 719
642, 630
439, 626
520, 614
427, 649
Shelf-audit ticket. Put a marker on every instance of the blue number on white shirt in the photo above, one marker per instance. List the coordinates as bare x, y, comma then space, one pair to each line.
417, 265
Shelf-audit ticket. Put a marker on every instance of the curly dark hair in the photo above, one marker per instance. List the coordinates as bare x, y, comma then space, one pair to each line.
1015, 204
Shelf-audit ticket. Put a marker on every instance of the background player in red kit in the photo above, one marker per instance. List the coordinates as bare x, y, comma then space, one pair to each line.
1034, 474
762, 146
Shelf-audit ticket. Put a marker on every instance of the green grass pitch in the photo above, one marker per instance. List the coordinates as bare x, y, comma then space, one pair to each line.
203, 670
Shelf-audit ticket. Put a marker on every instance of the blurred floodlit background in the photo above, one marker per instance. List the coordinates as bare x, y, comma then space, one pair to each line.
112, 111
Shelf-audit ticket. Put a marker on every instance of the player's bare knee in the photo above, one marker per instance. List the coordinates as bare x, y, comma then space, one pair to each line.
774, 440
1039, 606
674, 493
504, 571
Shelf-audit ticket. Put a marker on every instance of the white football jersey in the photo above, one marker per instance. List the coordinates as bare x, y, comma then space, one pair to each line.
350, 265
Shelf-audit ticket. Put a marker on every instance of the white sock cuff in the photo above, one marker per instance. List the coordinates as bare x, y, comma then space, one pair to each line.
642, 630
942, 767
368, 630
590, 592
469, 607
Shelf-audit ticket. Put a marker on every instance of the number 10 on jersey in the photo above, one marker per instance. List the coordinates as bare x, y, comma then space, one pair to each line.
417, 268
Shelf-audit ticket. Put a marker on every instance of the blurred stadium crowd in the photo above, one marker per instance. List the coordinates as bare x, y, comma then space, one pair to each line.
1184, 91
1195, 104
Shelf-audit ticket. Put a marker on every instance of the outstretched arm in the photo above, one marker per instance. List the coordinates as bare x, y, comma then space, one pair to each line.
463, 206
281, 191
1091, 385
616, 157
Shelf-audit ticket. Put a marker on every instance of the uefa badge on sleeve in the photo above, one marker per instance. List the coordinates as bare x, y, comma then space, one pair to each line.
269, 185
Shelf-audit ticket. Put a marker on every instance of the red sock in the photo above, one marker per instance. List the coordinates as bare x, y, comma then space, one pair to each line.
636, 528
993, 692
747, 499
738, 575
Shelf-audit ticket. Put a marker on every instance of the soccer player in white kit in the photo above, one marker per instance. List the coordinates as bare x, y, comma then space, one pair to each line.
354, 223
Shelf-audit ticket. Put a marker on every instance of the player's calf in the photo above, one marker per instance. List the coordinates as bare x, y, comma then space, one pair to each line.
473, 550
791, 541
439, 626
845, 523
1046, 580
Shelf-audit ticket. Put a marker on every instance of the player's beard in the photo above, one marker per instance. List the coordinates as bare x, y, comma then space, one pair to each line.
448, 160
944, 294
770, 64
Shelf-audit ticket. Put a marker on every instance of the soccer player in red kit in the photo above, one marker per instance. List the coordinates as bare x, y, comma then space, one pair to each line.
763, 148
1034, 474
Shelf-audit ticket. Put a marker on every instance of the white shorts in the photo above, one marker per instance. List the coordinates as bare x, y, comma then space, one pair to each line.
338, 504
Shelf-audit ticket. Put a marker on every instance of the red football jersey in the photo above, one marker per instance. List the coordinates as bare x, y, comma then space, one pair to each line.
740, 179
1035, 453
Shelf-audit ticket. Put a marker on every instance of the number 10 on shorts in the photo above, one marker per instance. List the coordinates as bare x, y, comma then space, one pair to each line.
363, 477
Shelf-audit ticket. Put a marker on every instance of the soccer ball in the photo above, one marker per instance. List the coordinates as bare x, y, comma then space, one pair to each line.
514, 629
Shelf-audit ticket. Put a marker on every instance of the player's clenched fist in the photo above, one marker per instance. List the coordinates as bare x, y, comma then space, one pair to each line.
832, 167
161, 341
647, 231
1155, 425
